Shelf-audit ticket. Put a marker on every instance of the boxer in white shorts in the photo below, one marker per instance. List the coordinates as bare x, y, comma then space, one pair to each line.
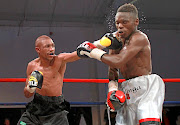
140, 101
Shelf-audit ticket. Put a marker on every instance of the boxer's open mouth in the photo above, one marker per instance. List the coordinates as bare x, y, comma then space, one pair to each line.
51, 54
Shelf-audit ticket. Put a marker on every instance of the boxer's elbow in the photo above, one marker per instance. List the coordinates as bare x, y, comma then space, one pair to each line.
115, 64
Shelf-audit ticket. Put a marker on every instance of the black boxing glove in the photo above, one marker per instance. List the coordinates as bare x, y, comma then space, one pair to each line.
89, 50
35, 81
115, 100
108, 41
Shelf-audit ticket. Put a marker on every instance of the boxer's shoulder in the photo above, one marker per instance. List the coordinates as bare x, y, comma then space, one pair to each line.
139, 36
34, 62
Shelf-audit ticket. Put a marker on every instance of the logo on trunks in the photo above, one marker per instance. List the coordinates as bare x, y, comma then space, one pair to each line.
133, 90
22, 123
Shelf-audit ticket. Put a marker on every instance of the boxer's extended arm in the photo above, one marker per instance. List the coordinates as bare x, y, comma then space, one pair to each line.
69, 57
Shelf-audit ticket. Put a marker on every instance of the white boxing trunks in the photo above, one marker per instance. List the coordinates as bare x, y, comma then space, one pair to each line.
144, 100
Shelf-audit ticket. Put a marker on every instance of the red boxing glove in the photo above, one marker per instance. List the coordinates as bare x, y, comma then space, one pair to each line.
115, 99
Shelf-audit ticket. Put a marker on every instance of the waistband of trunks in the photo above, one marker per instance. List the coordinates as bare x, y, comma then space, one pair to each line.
136, 76
131, 77
50, 99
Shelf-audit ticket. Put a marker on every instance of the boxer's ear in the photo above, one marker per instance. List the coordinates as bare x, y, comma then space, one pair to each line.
37, 49
137, 21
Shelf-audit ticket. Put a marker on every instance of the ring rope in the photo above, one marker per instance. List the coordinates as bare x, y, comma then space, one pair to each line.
82, 80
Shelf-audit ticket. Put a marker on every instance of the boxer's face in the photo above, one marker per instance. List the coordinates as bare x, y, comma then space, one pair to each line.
47, 49
125, 23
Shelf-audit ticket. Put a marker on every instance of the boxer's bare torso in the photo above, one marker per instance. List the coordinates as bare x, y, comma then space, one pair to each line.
140, 63
53, 68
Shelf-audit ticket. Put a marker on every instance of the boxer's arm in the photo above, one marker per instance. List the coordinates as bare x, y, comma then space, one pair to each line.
127, 53
115, 97
113, 74
69, 57
27, 94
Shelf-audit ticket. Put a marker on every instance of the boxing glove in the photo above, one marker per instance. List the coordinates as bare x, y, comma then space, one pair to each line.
115, 100
35, 81
89, 50
108, 41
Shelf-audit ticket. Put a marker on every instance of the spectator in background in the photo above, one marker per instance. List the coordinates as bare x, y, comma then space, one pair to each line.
7, 121
165, 120
178, 120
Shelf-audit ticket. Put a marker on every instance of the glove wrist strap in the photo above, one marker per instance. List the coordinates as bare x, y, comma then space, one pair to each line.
97, 54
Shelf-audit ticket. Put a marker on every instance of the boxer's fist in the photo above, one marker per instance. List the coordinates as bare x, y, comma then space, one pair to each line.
108, 41
87, 49
84, 49
115, 99
35, 81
